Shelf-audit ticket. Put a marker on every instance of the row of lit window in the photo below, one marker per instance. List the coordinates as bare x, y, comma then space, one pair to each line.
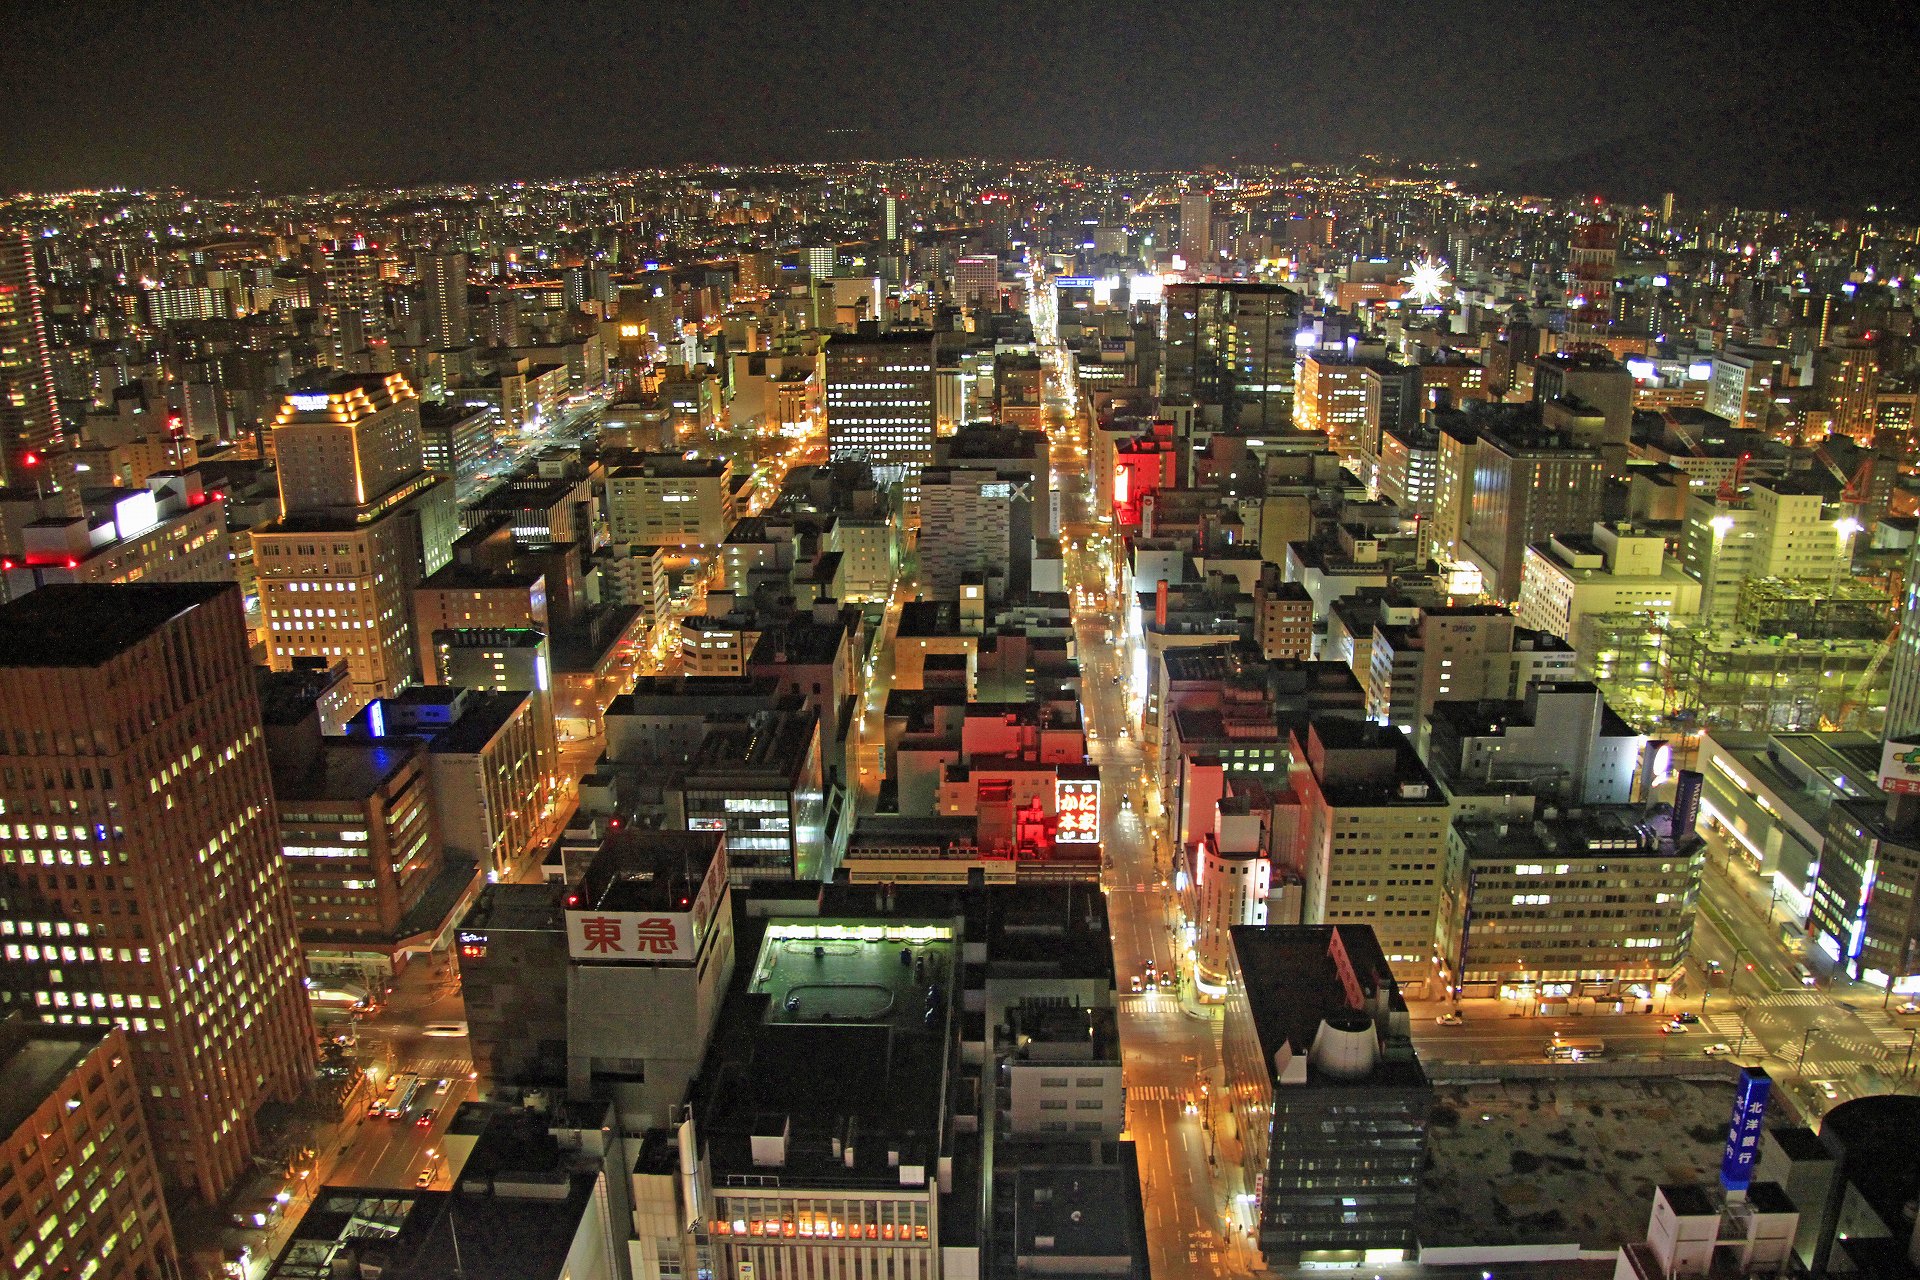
816, 1229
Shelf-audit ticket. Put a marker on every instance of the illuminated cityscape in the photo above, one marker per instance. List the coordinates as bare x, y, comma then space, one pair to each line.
666, 697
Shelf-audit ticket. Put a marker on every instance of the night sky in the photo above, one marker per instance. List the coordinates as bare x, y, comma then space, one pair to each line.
1794, 101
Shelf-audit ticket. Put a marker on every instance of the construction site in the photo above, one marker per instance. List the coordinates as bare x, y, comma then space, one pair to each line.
1802, 656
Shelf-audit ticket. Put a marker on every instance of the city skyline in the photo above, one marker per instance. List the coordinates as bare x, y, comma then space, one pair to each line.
1628, 101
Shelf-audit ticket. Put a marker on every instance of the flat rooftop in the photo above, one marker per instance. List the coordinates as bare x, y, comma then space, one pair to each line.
843, 1028
1294, 982
517, 908
649, 870
1565, 1159
346, 771
37, 1065
67, 624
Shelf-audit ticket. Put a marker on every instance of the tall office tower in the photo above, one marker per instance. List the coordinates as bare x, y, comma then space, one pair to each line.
1527, 484
889, 218
70, 1094
879, 396
148, 891
819, 261
1229, 357
1597, 381
363, 524
443, 284
1196, 230
1322, 1074
1374, 839
1849, 381
976, 282
1590, 283
29, 411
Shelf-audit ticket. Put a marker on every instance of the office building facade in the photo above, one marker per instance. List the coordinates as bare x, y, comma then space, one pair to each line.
153, 897
880, 400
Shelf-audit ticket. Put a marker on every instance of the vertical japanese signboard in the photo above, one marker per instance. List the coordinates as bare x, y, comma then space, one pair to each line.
1743, 1133
1077, 805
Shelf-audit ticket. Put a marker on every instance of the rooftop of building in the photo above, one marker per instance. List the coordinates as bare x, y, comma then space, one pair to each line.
1080, 1220
1492, 717
38, 1059
775, 1092
804, 640
1846, 763
649, 870
1590, 831
694, 695
1565, 1159
1585, 361
1403, 781
773, 742
870, 334
1294, 981
520, 1201
1093, 1033
517, 908
670, 466
87, 625
346, 771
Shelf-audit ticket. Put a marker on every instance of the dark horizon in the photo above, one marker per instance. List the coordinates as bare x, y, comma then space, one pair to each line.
1708, 102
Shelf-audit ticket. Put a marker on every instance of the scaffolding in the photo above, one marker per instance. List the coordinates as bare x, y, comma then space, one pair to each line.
1681, 678
1842, 609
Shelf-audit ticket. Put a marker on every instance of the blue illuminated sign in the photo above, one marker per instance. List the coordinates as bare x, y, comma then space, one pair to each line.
1743, 1132
1076, 282
377, 718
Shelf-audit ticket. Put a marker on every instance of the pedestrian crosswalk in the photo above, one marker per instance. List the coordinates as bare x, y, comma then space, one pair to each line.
1152, 1093
1725, 1026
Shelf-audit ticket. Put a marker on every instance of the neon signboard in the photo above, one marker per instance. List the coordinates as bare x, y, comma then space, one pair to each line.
308, 403
1743, 1132
1077, 806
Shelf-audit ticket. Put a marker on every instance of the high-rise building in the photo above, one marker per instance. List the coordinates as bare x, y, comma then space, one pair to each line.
363, 524
1849, 382
1466, 651
71, 1097
443, 286
1374, 835
1527, 484
1196, 229
1324, 1084
1590, 259
976, 282
879, 393
29, 410
1597, 381
346, 445
1229, 357
148, 892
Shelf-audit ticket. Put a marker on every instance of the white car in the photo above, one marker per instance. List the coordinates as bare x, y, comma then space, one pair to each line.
1717, 1050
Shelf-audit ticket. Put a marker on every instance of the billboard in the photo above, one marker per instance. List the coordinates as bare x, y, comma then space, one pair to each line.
1900, 768
631, 935
1077, 282
1687, 790
1077, 805
1743, 1132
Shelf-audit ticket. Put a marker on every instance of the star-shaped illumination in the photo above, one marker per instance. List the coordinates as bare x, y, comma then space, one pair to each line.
1428, 283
